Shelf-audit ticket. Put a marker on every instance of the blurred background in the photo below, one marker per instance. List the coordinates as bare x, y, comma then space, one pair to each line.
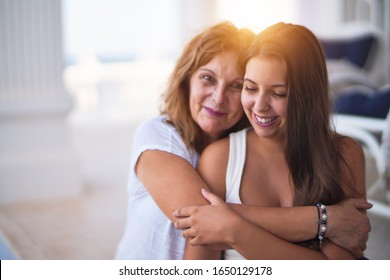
78, 76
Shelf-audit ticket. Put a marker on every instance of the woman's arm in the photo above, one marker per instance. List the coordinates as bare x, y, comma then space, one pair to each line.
210, 220
173, 183
348, 225
256, 243
220, 223
171, 180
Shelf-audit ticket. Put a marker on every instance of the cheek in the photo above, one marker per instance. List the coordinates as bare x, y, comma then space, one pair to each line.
245, 101
282, 109
197, 94
235, 103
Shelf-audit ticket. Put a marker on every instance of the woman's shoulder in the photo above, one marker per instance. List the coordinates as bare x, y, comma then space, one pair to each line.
215, 153
217, 150
352, 166
154, 123
222, 146
156, 128
157, 133
349, 146
212, 165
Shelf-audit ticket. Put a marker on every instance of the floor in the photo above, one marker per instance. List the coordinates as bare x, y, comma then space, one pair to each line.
87, 227
90, 226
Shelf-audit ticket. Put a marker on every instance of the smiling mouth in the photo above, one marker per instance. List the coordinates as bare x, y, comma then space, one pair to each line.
214, 113
264, 121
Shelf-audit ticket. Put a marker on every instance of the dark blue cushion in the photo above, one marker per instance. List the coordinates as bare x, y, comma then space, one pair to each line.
357, 103
355, 50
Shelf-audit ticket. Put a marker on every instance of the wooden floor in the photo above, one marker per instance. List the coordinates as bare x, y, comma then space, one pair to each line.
88, 227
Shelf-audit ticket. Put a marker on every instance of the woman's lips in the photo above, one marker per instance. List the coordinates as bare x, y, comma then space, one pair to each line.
214, 113
264, 121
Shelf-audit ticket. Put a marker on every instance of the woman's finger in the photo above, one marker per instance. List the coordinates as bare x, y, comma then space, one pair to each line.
211, 197
188, 234
195, 241
183, 224
360, 203
183, 212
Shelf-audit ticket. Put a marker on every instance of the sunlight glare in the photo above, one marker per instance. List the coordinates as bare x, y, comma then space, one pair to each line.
256, 14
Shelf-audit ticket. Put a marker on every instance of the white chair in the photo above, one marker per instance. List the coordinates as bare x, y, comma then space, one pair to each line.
374, 135
343, 71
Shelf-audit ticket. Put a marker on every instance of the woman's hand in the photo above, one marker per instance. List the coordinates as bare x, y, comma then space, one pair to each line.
211, 224
348, 225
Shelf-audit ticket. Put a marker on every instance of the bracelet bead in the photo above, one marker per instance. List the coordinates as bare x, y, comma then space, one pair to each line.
322, 222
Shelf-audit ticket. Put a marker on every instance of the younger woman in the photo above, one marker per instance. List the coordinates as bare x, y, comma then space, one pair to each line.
290, 157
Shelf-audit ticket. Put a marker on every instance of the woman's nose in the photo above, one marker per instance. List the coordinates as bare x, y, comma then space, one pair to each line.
218, 95
262, 102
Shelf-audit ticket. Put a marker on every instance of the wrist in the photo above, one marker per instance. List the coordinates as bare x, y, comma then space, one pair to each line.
232, 236
329, 228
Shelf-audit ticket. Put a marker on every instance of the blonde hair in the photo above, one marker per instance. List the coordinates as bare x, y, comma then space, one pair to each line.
198, 52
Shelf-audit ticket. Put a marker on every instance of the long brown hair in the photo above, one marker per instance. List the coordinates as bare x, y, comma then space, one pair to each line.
198, 52
311, 147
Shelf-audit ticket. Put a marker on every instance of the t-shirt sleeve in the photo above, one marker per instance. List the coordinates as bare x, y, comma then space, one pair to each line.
156, 134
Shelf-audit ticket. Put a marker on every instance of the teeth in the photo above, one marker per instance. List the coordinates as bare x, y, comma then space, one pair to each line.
264, 120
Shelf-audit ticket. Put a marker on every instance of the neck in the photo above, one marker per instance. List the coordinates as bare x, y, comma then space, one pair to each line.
274, 145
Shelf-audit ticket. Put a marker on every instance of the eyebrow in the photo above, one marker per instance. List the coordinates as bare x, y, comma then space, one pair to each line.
273, 86
249, 80
206, 69
279, 85
212, 72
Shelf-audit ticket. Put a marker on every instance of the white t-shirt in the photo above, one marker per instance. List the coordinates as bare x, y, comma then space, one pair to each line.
149, 234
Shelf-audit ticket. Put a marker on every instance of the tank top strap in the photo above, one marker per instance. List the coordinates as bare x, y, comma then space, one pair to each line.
237, 152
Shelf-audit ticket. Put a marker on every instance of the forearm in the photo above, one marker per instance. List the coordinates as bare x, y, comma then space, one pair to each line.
200, 253
346, 226
292, 224
256, 243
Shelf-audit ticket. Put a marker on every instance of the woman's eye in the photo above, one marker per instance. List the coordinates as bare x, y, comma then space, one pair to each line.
246, 88
236, 86
208, 78
280, 94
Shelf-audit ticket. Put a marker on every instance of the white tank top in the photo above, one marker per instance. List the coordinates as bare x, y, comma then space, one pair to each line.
237, 152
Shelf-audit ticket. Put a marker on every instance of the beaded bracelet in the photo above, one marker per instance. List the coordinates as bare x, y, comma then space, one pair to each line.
322, 220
